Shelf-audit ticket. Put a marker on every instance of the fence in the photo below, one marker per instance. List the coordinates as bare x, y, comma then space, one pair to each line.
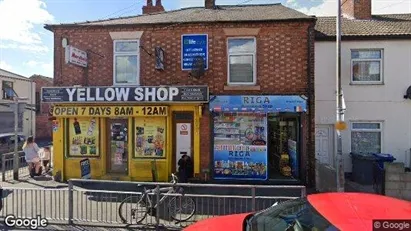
7, 161
76, 204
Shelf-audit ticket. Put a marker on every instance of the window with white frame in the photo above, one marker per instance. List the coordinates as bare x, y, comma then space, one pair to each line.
366, 137
241, 61
366, 66
126, 62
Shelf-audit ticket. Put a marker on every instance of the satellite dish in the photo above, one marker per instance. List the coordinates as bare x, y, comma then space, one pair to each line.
408, 94
198, 68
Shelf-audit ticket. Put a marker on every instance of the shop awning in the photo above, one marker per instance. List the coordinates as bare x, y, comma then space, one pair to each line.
258, 103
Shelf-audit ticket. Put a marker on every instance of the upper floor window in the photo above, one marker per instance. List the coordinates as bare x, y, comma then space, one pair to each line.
126, 62
7, 90
241, 61
366, 66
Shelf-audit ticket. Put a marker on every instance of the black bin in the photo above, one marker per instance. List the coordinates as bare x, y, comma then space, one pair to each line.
364, 166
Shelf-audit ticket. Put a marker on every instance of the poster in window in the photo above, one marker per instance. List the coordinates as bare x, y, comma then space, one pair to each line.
150, 136
83, 136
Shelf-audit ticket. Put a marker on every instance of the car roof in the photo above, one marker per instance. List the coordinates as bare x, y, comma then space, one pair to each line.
356, 211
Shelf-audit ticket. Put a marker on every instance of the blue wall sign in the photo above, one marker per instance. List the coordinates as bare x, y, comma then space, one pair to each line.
193, 45
245, 162
259, 103
85, 169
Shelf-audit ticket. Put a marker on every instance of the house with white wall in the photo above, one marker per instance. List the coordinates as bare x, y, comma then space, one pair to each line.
13, 85
376, 73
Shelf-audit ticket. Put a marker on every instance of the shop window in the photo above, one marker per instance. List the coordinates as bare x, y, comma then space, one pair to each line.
241, 61
7, 90
366, 66
366, 137
126, 62
240, 146
83, 134
150, 137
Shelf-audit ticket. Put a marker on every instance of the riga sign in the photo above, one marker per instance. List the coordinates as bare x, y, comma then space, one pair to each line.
76, 56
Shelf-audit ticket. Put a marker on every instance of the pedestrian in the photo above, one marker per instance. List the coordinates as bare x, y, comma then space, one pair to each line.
45, 157
185, 169
31, 149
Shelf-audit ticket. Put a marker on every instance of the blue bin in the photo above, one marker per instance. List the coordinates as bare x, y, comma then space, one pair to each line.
381, 158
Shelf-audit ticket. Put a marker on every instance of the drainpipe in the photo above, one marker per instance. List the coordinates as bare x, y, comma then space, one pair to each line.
310, 30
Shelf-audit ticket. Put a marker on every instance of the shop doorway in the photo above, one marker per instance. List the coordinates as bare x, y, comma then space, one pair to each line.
117, 146
283, 146
182, 136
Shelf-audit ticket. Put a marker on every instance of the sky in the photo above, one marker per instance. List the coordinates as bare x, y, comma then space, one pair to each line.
26, 48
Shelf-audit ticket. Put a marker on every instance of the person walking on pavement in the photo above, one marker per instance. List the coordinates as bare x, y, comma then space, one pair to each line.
31, 149
185, 169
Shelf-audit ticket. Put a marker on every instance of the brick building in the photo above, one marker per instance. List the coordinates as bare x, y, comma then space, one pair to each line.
43, 124
268, 85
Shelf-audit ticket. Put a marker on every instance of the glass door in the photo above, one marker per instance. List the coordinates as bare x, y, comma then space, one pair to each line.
117, 160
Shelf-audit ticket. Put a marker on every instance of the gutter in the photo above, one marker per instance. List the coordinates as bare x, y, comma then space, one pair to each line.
310, 99
364, 37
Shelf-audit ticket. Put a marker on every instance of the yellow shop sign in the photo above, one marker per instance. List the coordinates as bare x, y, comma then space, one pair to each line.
109, 111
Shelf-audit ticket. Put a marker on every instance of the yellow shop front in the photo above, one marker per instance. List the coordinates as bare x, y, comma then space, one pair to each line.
124, 141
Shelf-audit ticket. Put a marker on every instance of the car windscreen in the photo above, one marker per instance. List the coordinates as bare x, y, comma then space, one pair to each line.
296, 214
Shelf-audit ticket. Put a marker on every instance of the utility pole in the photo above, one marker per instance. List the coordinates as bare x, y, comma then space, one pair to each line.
340, 124
16, 160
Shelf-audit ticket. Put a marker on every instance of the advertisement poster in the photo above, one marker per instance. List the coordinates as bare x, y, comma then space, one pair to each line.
292, 152
150, 135
83, 136
85, 169
247, 162
193, 45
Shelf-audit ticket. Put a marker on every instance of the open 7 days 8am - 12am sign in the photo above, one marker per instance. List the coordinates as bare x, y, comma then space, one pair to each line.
125, 94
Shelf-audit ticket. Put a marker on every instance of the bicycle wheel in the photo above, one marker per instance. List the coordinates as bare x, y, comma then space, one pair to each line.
133, 208
181, 208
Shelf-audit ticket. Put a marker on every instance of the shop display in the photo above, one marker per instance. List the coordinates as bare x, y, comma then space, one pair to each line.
285, 164
240, 147
83, 136
150, 137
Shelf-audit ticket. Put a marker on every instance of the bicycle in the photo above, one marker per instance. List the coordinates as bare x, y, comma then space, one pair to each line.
176, 204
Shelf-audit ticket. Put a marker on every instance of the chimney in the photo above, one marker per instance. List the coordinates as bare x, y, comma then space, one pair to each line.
210, 4
149, 8
357, 9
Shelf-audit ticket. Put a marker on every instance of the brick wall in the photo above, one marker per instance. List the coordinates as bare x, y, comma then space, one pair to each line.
397, 181
282, 64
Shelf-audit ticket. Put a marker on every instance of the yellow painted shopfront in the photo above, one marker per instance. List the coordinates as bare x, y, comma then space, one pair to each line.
125, 140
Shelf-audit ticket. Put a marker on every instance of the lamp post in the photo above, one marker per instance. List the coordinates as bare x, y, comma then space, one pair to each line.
16, 159
340, 124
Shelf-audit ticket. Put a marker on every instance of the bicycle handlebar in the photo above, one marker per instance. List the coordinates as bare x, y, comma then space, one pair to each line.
174, 178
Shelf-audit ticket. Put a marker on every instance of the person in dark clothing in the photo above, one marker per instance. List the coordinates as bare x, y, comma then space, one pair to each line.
185, 169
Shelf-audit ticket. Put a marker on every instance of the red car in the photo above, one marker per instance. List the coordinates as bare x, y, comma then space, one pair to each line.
316, 212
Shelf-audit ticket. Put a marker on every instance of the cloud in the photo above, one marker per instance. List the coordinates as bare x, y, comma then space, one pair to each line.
5, 66
47, 67
19, 21
329, 7
31, 48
